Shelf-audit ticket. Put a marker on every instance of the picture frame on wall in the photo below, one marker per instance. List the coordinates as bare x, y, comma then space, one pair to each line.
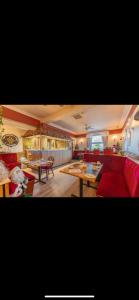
10, 140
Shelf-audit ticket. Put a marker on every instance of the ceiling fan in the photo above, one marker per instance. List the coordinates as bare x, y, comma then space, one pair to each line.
88, 127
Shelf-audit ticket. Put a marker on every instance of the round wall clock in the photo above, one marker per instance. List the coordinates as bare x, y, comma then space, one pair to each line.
10, 140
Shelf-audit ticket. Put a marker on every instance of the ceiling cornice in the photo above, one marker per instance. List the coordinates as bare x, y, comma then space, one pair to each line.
132, 110
125, 113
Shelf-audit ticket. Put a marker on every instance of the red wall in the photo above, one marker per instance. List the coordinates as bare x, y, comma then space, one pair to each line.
19, 117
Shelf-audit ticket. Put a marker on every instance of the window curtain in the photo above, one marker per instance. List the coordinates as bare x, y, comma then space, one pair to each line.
89, 143
105, 141
104, 136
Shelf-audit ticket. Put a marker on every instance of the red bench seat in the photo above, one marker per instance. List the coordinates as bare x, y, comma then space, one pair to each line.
122, 183
113, 185
10, 160
111, 163
120, 175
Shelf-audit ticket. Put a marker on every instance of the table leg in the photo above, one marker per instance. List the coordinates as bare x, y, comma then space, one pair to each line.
39, 171
1, 191
39, 174
81, 187
88, 183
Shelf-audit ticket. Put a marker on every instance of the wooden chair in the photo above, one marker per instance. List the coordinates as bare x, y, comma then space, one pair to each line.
49, 166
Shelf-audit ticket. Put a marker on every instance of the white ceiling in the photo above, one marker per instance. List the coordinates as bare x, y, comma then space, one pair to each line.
100, 117
38, 111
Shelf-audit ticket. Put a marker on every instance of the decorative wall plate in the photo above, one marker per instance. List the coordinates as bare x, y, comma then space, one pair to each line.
10, 140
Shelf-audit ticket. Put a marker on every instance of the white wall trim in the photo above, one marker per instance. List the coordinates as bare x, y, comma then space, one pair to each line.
60, 127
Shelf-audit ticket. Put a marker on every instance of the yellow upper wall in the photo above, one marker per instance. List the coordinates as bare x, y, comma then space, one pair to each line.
18, 132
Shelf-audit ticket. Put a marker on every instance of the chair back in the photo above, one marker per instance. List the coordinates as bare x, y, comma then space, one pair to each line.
108, 151
51, 159
96, 151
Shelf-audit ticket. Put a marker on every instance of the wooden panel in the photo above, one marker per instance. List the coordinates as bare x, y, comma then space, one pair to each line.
60, 156
1, 191
7, 190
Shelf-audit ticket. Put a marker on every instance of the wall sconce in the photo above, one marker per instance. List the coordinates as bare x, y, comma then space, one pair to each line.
114, 137
123, 136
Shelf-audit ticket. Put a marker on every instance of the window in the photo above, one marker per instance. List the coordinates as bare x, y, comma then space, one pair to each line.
97, 143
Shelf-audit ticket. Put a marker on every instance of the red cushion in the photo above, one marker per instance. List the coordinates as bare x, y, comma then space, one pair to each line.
9, 157
113, 185
96, 151
117, 163
131, 174
12, 187
108, 151
29, 176
110, 162
12, 165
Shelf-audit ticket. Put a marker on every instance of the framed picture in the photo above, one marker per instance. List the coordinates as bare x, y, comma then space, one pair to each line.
10, 140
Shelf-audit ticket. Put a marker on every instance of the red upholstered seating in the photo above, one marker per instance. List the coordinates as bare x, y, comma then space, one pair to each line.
29, 176
10, 160
97, 151
120, 182
108, 151
10, 166
131, 174
76, 154
120, 175
12, 187
110, 162
113, 185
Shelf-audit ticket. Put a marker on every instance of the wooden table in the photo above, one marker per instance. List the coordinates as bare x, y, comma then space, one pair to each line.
82, 176
36, 166
4, 188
